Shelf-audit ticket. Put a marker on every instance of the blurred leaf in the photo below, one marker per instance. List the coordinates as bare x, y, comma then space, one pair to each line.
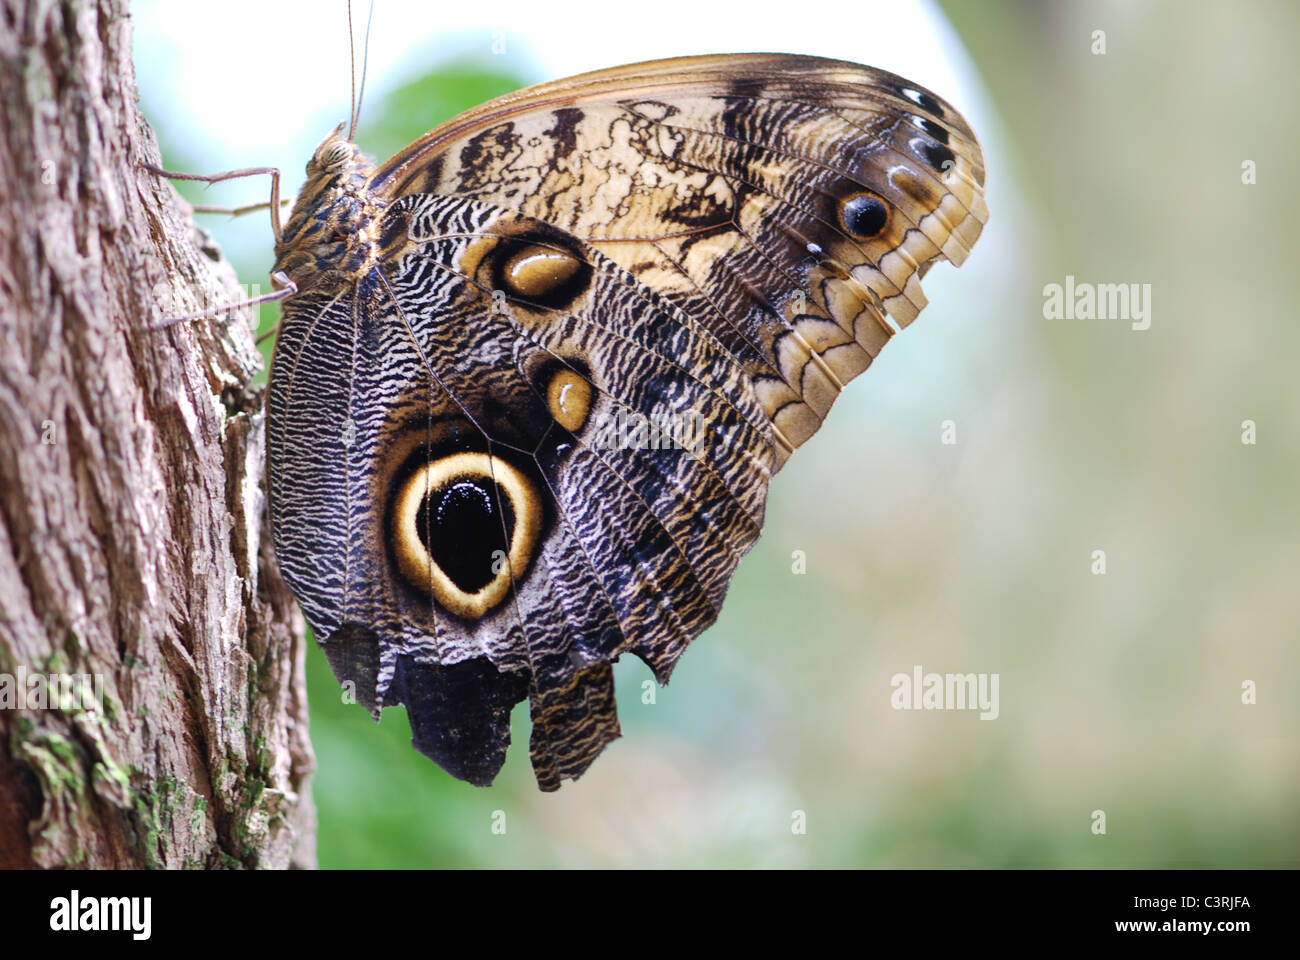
417, 107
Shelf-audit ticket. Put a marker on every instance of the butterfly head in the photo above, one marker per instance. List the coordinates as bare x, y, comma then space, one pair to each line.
328, 233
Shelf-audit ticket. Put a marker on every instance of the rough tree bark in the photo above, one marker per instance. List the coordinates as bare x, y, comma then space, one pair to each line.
132, 539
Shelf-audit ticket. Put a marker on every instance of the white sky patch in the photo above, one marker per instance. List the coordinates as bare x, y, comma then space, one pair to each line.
250, 83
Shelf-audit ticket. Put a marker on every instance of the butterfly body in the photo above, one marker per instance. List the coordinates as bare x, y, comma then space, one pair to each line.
541, 367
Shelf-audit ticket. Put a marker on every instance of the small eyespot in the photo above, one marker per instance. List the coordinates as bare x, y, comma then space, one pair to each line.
540, 273
929, 126
923, 100
568, 396
534, 272
939, 157
864, 215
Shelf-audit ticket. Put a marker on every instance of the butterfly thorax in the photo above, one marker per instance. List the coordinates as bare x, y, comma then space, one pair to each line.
329, 239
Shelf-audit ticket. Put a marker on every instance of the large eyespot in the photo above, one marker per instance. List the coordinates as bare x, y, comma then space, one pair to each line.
463, 527
568, 397
864, 215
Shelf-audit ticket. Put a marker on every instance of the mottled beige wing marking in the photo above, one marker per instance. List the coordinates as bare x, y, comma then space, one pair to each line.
721, 183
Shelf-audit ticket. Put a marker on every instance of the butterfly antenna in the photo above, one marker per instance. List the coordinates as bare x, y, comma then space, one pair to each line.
352, 61
365, 61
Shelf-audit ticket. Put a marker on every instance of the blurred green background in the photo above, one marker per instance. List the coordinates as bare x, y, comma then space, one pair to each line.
1119, 692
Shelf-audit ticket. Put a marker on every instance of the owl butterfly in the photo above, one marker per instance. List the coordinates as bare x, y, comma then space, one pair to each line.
540, 367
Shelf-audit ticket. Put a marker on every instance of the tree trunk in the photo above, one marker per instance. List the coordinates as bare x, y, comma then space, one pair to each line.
132, 535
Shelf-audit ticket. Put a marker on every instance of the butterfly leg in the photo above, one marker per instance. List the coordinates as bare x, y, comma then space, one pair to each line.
284, 287
235, 211
211, 178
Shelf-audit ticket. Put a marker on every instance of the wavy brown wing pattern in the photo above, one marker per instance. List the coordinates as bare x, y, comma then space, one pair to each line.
543, 364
